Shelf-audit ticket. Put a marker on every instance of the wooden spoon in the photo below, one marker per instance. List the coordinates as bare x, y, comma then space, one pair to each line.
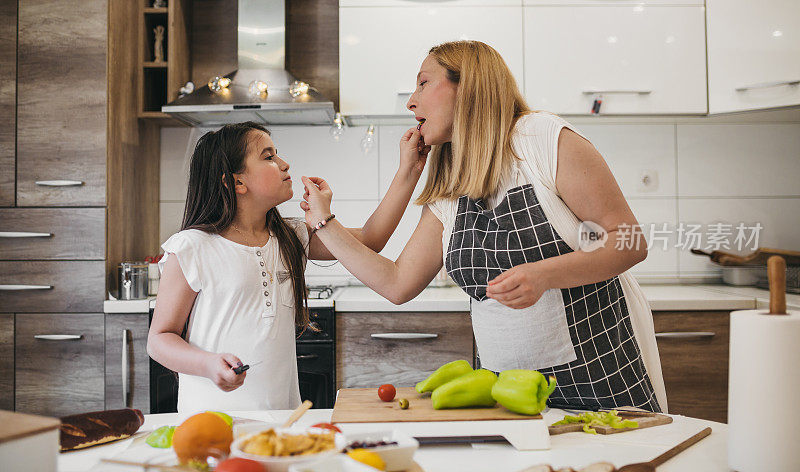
651, 466
297, 413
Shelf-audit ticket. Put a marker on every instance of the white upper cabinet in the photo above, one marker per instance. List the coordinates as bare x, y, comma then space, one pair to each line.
753, 54
382, 45
641, 58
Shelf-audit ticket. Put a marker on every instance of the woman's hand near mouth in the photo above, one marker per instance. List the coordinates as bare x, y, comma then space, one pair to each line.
316, 199
413, 152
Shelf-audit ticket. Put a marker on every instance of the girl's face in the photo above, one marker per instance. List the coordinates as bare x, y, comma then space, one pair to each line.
265, 177
434, 101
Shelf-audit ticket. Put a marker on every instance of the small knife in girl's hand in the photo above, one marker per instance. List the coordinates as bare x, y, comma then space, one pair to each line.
245, 367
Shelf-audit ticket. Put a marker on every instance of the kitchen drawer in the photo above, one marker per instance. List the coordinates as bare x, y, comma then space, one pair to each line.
42, 286
693, 346
74, 233
6, 361
314, 357
63, 373
363, 360
61, 135
127, 362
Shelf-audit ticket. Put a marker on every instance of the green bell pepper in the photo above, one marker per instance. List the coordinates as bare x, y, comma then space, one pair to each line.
443, 374
602, 418
471, 389
161, 438
523, 391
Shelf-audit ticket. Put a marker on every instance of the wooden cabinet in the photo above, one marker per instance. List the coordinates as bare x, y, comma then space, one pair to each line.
639, 59
127, 376
398, 348
59, 363
381, 47
753, 54
693, 346
61, 103
6, 361
45, 286
52, 233
8, 100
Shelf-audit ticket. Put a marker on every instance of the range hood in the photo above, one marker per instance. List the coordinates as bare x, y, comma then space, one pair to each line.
261, 55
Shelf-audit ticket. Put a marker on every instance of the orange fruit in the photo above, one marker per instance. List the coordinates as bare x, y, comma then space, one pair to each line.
200, 436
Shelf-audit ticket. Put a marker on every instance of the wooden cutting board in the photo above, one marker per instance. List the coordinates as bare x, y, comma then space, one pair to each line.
645, 420
362, 405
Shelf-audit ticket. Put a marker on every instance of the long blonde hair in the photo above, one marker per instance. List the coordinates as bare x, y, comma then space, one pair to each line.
488, 105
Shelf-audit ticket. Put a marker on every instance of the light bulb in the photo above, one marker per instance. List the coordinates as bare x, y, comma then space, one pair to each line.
218, 84
298, 88
368, 141
257, 88
337, 128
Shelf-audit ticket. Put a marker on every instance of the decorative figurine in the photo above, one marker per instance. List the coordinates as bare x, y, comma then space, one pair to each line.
158, 47
159, 3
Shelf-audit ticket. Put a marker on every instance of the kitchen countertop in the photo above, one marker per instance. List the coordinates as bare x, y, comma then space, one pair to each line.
661, 298
572, 449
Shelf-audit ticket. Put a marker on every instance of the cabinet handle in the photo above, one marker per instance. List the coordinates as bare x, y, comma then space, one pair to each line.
58, 337
767, 85
59, 183
599, 92
306, 357
125, 373
404, 336
11, 288
23, 234
404, 92
687, 334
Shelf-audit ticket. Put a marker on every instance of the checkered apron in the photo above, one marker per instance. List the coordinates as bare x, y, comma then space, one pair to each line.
609, 371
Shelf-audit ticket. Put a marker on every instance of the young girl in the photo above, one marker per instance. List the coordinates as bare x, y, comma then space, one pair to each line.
236, 272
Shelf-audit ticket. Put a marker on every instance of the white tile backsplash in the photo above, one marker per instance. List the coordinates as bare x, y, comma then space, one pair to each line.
311, 151
739, 160
631, 150
724, 164
779, 218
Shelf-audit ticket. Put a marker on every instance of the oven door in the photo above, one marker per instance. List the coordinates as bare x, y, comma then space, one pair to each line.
315, 371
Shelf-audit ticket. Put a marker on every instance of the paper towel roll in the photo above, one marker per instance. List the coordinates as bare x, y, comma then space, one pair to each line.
764, 392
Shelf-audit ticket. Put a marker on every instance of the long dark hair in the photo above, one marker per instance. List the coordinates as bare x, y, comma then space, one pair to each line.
211, 200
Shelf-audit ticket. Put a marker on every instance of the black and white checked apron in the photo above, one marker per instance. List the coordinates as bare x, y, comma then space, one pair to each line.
609, 371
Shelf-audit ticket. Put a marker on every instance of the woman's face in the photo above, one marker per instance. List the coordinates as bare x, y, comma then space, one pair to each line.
434, 101
266, 176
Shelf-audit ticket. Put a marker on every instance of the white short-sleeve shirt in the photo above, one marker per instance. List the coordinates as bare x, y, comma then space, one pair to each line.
244, 306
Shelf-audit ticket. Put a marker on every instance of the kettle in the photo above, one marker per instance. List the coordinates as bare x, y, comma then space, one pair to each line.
132, 278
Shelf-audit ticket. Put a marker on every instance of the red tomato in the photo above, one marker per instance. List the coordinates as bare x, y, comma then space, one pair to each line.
239, 464
329, 426
387, 392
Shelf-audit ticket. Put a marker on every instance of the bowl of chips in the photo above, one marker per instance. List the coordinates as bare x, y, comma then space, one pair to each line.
280, 448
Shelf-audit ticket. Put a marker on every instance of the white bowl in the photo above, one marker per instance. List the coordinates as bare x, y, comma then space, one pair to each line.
282, 463
337, 463
396, 457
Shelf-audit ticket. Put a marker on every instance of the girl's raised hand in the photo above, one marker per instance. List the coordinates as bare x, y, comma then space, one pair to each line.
219, 369
317, 199
413, 151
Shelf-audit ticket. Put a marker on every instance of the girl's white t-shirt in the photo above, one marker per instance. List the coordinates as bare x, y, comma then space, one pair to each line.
244, 306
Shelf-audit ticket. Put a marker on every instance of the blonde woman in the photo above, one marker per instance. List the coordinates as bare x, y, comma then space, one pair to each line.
506, 192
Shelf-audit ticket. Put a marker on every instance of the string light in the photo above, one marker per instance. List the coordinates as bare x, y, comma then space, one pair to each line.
368, 141
218, 84
298, 88
337, 128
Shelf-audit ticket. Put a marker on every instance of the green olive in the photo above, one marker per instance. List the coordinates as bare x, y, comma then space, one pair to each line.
403, 404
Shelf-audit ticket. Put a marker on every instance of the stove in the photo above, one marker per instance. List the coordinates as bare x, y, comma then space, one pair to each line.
319, 292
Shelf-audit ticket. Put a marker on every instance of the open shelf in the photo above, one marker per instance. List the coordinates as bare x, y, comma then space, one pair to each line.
160, 81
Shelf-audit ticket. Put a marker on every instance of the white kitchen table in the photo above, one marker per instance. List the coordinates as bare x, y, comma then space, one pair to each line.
573, 449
